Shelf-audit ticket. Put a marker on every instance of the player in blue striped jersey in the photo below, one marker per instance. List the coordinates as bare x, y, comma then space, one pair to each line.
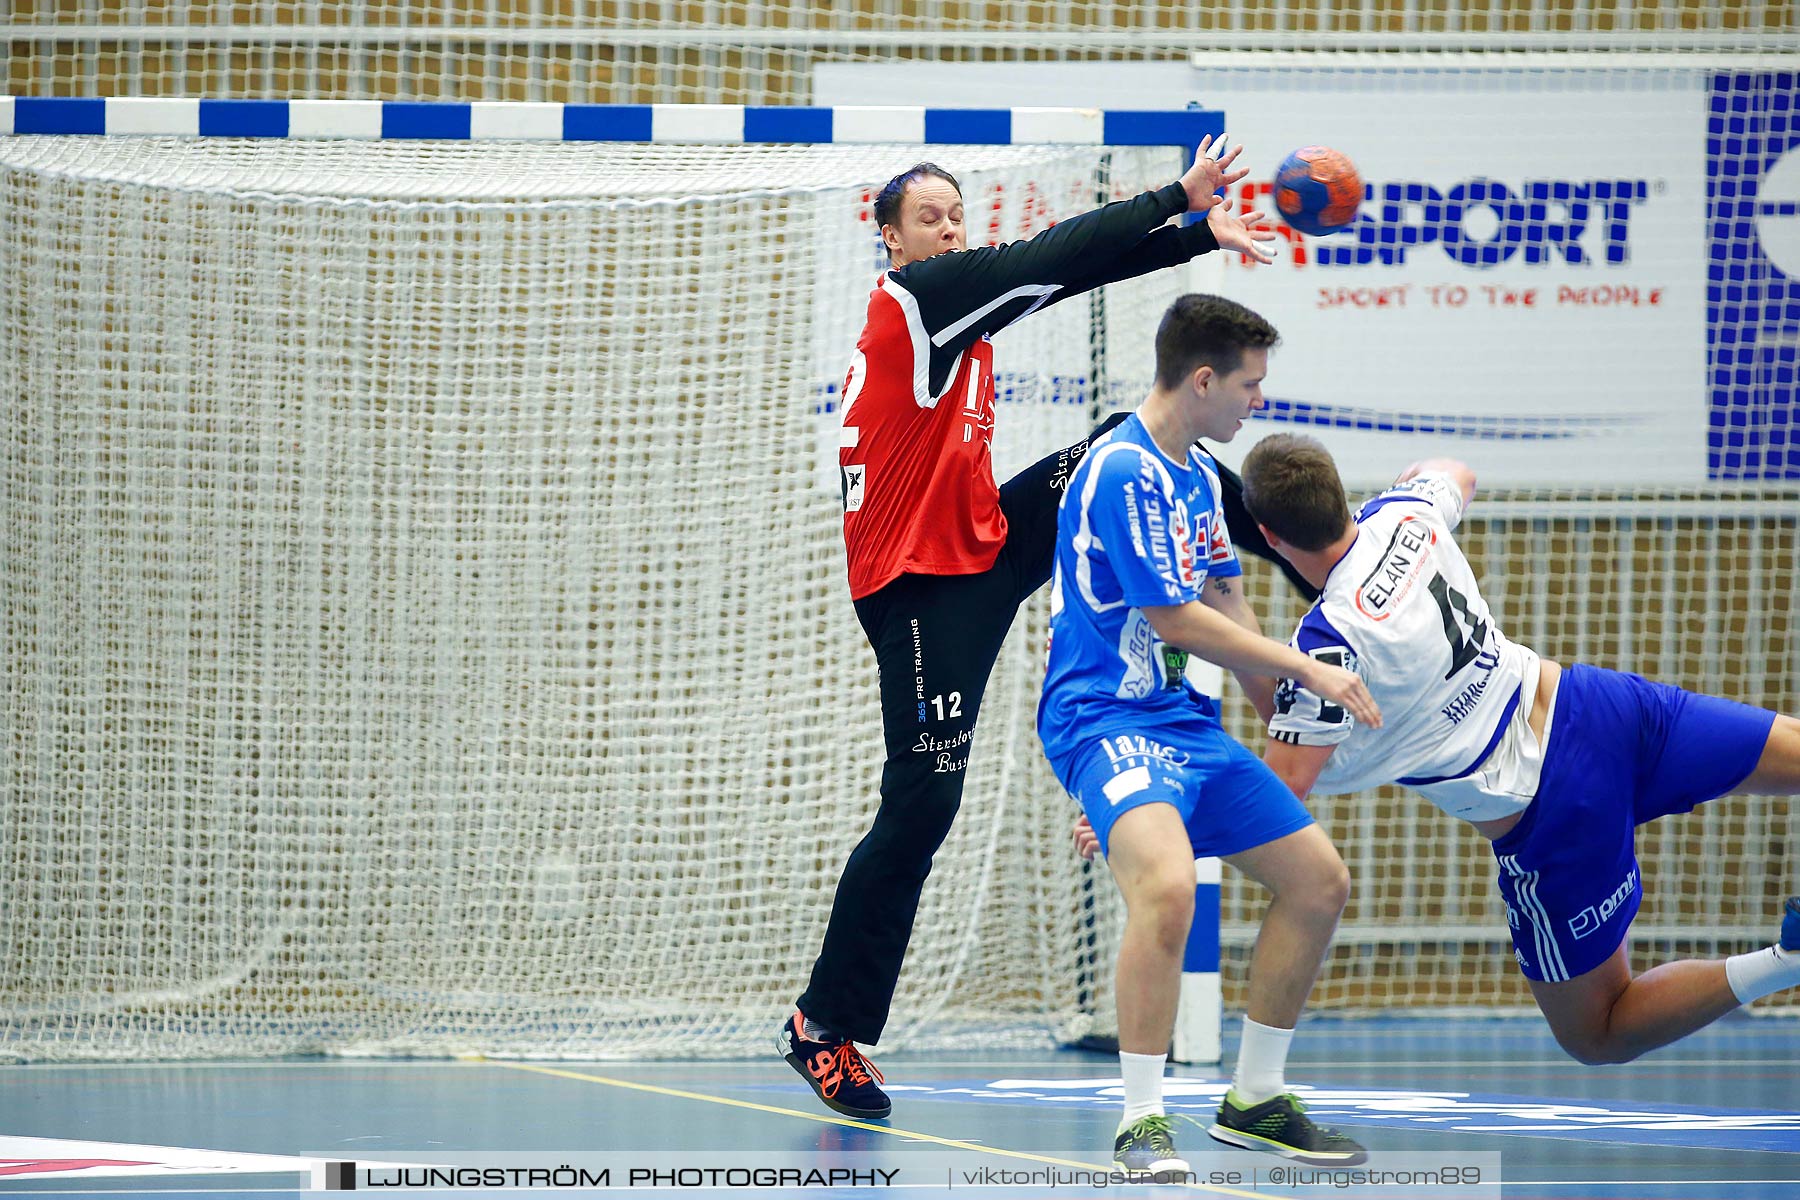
1145, 575
1558, 766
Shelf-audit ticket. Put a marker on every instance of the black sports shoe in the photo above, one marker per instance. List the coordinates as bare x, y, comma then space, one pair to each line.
1147, 1148
1281, 1126
837, 1071
1790, 925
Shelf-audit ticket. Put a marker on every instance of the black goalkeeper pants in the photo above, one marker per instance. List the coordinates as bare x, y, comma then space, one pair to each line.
936, 638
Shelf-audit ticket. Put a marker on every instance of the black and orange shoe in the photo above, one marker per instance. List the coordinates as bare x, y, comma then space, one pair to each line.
837, 1071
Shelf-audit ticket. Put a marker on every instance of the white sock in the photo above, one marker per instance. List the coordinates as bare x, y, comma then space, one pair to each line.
1762, 973
1261, 1063
812, 1031
1143, 1075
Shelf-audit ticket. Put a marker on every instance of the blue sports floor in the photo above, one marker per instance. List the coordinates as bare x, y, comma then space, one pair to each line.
1715, 1116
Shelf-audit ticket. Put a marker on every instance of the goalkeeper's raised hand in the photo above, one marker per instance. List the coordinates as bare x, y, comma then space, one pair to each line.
1210, 172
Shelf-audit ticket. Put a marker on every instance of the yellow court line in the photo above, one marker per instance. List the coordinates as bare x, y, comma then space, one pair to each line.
853, 1124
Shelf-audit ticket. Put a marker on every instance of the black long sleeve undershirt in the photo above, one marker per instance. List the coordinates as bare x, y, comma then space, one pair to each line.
1119, 241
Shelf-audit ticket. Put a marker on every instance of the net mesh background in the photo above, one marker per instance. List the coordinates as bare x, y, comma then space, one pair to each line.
425, 626
762, 52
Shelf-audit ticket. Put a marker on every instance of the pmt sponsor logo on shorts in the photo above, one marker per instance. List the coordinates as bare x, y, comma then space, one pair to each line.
1595, 915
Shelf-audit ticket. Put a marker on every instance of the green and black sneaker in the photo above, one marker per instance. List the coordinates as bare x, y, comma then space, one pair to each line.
1281, 1126
1146, 1149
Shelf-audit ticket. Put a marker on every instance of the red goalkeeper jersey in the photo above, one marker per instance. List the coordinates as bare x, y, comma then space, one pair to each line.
916, 455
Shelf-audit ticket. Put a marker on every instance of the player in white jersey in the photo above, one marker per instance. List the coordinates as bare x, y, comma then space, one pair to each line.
1145, 575
1558, 766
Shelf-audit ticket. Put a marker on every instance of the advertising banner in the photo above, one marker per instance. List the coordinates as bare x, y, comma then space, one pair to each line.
1569, 278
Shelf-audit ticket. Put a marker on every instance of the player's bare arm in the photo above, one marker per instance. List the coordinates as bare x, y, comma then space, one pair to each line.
1461, 472
1218, 639
1226, 595
1298, 766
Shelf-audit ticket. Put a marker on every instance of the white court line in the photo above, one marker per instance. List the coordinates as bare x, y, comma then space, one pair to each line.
1711, 1064
248, 1064
688, 1065
910, 1135
988, 1065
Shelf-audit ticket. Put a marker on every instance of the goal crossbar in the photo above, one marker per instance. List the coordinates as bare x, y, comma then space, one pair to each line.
732, 124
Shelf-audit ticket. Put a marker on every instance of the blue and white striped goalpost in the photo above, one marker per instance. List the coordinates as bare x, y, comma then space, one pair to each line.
1197, 1038
704, 124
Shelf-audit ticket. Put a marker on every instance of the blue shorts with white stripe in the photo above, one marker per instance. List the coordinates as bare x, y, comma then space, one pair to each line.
1623, 751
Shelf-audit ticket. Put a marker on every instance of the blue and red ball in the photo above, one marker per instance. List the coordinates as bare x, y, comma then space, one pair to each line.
1317, 190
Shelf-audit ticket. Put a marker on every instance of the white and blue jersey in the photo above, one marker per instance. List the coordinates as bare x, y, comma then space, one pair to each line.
1403, 608
1135, 528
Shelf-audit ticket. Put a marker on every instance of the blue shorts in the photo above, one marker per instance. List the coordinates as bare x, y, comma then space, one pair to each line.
1227, 798
1623, 751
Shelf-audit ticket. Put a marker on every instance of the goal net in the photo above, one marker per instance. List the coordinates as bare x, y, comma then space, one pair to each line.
426, 627
769, 51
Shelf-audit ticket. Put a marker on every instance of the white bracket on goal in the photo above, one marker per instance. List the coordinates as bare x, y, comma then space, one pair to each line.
1200, 1013
728, 124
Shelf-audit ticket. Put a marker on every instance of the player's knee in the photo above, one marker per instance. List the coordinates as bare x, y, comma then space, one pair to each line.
1332, 891
921, 801
932, 809
1319, 894
1163, 903
1596, 1047
1599, 1054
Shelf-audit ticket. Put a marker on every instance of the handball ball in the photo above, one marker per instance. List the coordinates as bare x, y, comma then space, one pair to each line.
1317, 190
